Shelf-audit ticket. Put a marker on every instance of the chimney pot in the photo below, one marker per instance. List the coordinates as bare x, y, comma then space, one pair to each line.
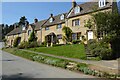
74, 3
51, 15
35, 20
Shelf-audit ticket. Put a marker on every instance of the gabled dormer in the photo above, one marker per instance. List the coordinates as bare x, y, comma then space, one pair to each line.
77, 10
62, 17
23, 27
102, 3
51, 18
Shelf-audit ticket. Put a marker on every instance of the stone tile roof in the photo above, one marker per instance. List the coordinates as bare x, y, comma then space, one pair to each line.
39, 24
17, 30
87, 8
56, 20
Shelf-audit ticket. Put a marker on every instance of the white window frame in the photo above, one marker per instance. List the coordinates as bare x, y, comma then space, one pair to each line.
62, 17
102, 3
77, 10
75, 21
51, 20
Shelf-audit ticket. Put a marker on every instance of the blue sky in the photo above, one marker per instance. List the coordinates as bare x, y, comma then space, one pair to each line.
12, 11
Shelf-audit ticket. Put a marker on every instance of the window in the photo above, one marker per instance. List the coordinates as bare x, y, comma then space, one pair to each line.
77, 10
102, 3
62, 17
76, 22
46, 28
59, 36
74, 36
51, 20
23, 27
59, 26
29, 32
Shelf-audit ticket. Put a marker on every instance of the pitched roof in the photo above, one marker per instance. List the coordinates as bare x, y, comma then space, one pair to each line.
56, 20
17, 30
39, 24
87, 8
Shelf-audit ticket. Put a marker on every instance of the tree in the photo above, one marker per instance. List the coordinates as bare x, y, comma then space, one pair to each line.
32, 37
22, 20
67, 34
109, 23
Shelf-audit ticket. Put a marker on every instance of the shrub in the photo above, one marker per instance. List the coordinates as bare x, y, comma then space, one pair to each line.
106, 53
32, 37
76, 41
43, 44
91, 41
99, 49
23, 45
33, 44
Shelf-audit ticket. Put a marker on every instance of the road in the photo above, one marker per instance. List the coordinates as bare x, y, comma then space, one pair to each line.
17, 67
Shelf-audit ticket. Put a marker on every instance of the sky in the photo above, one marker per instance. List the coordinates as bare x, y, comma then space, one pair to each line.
12, 11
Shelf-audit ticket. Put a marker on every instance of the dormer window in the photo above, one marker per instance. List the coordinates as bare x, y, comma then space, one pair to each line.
62, 17
102, 3
23, 27
77, 10
51, 20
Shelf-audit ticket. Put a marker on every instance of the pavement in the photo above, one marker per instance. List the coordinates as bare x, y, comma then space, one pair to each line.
108, 65
17, 67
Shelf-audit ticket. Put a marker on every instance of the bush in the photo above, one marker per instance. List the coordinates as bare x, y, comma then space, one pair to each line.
33, 44
99, 49
106, 53
43, 44
76, 41
32, 37
91, 41
26, 44
23, 45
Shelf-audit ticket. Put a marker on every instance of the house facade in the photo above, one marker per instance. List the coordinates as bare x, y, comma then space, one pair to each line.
51, 28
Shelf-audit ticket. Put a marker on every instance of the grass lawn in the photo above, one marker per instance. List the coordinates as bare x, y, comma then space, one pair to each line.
71, 51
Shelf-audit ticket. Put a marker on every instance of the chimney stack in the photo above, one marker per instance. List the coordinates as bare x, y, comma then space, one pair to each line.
35, 20
51, 15
74, 3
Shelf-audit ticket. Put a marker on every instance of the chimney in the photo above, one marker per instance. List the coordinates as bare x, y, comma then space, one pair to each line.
74, 3
35, 20
51, 15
